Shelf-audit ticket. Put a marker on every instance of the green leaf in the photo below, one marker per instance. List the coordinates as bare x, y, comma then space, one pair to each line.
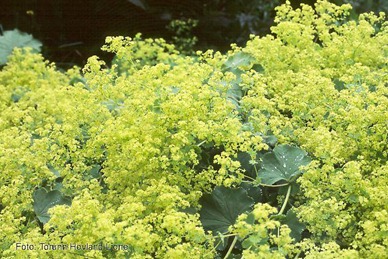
232, 64
338, 84
235, 93
95, 171
221, 208
283, 163
254, 240
255, 192
16, 39
44, 200
270, 140
237, 60
295, 225
249, 164
258, 68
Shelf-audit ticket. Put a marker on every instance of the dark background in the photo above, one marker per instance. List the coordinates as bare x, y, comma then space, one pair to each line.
73, 30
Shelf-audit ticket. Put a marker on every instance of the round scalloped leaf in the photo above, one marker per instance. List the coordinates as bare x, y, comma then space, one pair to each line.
221, 208
44, 200
237, 60
16, 39
283, 163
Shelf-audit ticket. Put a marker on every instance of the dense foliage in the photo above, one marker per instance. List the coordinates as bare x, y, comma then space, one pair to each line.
73, 30
276, 149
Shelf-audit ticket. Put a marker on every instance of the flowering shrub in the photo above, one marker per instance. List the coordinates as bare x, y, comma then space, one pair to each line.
275, 149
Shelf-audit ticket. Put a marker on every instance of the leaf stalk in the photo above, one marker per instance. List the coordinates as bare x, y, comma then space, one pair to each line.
285, 200
231, 247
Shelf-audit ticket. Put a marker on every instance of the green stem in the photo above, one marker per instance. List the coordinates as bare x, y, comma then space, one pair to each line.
285, 200
256, 171
231, 247
250, 178
262, 184
275, 185
200, 144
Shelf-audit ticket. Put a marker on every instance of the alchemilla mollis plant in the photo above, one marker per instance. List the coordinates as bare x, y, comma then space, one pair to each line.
273, 150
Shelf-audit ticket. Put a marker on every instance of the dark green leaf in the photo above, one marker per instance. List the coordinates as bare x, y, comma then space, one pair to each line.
221, 208
295, 225
95, 171
283, 164
249, 164
16, 97
338, 84
255, 192
18, 93
44, 200
258, 68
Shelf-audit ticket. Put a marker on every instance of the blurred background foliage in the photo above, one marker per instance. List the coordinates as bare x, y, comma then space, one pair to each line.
73, 30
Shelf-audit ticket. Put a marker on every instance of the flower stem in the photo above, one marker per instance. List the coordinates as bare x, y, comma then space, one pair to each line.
231, 247
274, 185
285, 200
203, 142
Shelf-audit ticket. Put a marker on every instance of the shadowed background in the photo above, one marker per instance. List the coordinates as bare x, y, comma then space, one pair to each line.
73, 30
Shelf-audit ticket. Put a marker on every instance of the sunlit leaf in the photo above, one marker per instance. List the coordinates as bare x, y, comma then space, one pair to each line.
283, 163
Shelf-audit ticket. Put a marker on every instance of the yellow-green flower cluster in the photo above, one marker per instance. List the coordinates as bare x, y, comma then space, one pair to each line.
143, 133
325, 89
254, 229
129, 145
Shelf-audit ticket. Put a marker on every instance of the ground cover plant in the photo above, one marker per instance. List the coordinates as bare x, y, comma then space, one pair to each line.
276, 149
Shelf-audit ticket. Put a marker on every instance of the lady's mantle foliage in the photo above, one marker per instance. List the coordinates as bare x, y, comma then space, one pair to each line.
11, 39
293, 126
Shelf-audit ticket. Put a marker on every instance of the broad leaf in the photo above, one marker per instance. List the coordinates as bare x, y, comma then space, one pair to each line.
249, 164
221, 208
44, 200
16, 39
237, 60
283, 163
295, 225
255, 192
